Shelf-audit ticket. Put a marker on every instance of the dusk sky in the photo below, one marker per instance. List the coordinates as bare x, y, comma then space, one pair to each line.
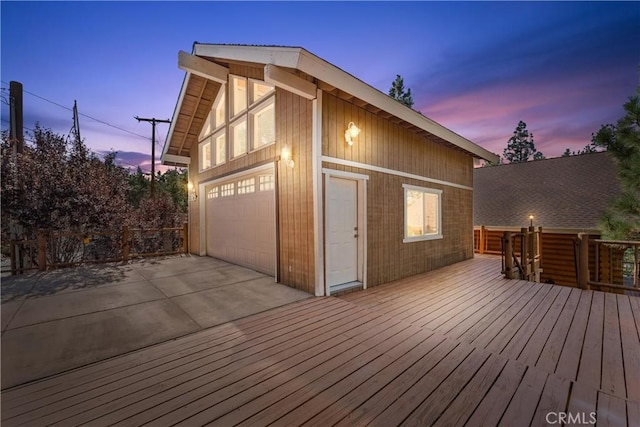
474, 67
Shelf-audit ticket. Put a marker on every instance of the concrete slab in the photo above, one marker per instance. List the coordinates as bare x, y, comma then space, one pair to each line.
47, 348
215, 306
15, 288
176, 266
7, 312
60, 306
203, 280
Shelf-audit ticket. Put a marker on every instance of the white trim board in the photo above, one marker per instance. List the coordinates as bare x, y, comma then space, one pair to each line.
316, 178
392, 172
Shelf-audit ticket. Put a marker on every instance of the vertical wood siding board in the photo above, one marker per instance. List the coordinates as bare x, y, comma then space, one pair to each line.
339, 131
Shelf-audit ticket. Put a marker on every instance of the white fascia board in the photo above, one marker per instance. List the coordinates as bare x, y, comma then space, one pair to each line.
336, 77
280, 56
203, 68
172, 158
290, 82
174, 118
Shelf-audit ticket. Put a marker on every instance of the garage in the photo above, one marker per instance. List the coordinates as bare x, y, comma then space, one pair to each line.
241, 220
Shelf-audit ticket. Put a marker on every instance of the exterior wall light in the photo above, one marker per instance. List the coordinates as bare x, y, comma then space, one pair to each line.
192, 195
351, 132
286, 156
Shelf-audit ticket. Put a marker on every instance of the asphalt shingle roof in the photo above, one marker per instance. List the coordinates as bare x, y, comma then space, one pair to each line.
564, 192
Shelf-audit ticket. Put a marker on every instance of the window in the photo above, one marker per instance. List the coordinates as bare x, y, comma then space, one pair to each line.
205, 154
212, 193
266, 182
216, 117
422, 213
259, 90
238, 95
263, 121
253, 114
212, 151
238, 133
246, 186
227, 190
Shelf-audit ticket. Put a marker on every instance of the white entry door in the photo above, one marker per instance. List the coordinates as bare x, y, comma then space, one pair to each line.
342, 231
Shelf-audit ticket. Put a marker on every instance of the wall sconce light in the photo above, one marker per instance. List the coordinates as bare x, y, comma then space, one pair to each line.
286, 156
192, 195
351, 132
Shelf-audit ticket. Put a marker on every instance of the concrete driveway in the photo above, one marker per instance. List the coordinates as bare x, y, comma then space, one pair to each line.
63, 319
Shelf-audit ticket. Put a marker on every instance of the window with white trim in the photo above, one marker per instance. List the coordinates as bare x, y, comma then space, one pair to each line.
422, 213
212, 147
266, 182
227, 190
246, 186
252, 110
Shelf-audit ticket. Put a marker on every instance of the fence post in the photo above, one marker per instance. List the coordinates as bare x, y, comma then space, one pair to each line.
185, 237
125, 243
14, 264
482, 240
42, 250
583, 261
508, 255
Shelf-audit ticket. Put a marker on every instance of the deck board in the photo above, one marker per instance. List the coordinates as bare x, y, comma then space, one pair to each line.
459, 345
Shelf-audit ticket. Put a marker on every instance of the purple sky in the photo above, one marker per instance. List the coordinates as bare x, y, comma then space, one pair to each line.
477, 68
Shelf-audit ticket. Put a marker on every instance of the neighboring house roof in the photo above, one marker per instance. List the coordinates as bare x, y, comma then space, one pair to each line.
188, 117
566, 192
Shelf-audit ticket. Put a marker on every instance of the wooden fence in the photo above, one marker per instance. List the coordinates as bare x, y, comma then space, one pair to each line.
53, 249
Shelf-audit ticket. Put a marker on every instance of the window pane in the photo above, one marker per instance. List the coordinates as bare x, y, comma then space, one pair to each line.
206, 128
239, 134
239, 94
218, 113
259, 90
247, 186
221, 149
415, 217
205, 155
266, 182
430, 213
227, 190
264, 125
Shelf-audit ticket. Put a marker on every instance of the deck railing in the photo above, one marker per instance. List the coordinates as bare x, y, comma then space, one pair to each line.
616, 266
65, 249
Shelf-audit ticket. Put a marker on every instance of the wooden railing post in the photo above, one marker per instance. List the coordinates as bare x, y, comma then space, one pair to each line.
524, 258
185, 237
583, 261
125, 243
508, 255
42, 250
481, 245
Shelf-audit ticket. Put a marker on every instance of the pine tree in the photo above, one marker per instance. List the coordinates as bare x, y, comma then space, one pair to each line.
397, 92
621, 221
520, 146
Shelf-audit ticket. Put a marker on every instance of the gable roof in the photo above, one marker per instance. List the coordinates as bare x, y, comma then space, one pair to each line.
565, 192
187, 120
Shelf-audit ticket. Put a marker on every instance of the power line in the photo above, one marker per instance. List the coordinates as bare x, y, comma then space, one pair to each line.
85, 115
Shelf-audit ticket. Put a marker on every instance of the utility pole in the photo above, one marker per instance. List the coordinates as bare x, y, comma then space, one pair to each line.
17, 121
76, 121
153, 122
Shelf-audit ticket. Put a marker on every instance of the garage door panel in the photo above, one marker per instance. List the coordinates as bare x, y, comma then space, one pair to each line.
241, 228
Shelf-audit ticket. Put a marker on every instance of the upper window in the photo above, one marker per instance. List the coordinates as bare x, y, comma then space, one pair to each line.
422, 213
238, 95
212, 147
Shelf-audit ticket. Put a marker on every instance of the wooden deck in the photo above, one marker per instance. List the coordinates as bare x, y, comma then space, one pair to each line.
457, 346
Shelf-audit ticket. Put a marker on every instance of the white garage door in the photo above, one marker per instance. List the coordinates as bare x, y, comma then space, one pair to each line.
241, 221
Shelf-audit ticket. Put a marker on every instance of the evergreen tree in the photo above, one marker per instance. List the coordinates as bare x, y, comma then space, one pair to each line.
621, 221
566, 153
397, 92
520, 146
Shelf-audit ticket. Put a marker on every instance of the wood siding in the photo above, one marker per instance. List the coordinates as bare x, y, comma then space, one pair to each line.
293, 186
385, 144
